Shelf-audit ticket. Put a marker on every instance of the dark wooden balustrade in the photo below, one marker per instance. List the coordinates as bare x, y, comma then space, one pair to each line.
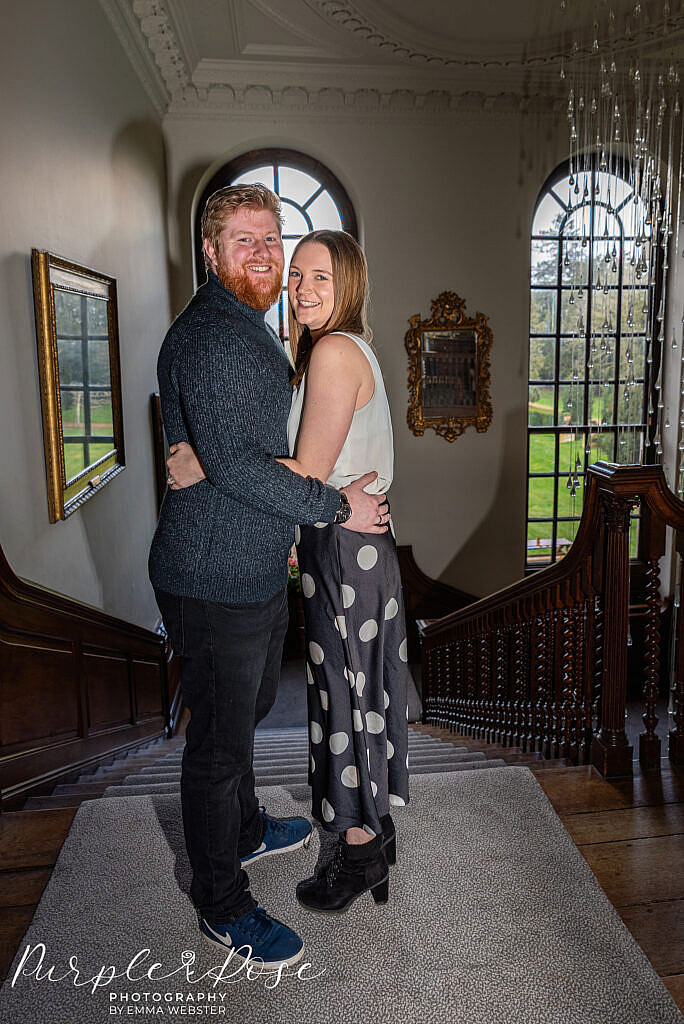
76, 685
542, 664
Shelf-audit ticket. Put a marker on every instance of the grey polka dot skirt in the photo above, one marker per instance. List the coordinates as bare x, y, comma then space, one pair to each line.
357, 675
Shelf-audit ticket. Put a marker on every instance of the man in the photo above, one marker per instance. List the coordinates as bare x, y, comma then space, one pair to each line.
219, 557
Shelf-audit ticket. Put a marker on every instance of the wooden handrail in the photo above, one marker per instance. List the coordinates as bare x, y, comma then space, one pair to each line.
543, 663
76, 684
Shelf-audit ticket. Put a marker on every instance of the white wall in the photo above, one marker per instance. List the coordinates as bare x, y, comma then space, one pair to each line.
443, 207
83, 176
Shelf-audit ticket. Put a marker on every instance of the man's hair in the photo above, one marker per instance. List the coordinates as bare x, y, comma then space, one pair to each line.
227, 201
350, 287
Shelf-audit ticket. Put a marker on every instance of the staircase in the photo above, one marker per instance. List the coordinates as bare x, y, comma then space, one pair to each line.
280, 759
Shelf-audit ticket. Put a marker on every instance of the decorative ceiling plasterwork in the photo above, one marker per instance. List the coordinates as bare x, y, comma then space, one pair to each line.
159, 48
347, 15
363, 104
156, 26
313, 45
127, 29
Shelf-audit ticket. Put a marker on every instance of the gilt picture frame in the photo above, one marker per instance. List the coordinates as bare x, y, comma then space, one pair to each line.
80, 380
449, 370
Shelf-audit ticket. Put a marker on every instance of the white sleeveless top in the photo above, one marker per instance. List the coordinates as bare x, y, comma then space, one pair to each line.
369, 445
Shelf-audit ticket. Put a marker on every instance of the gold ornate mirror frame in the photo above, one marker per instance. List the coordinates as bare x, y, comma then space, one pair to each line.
80, 380
449, 370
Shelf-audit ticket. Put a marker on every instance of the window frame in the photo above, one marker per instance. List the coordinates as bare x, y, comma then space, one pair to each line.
646, 426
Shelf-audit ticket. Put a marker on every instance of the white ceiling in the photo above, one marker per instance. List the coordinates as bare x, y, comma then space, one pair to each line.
203, 53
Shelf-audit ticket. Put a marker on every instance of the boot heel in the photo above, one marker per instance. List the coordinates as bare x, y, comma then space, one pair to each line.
390, 851
380, 892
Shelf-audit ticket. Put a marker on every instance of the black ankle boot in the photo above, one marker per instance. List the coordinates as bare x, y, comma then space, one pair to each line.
352, 871
389, 839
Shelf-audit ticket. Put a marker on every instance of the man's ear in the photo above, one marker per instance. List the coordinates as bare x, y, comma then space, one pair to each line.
210, 251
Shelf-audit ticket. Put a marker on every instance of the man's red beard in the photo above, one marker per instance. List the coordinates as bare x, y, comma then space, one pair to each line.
248, 291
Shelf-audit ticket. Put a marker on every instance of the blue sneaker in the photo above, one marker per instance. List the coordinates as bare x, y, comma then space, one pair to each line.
281, 836
256, 937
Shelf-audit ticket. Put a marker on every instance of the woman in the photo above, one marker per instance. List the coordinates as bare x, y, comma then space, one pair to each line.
339, 429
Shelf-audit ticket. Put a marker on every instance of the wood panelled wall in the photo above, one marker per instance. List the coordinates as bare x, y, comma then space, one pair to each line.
75, 684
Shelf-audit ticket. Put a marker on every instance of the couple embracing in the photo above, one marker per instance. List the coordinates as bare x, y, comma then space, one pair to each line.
262, 453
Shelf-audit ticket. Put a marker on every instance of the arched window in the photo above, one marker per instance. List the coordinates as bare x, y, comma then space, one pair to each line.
594, 348
311, 196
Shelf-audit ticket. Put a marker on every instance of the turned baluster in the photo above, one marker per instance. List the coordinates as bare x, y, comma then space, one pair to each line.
483, 659
525, 691
451, 686
676, 737
470, 685
500, 710
567, 681
649, 743
582, 681
540, 660
516, 706
611, 753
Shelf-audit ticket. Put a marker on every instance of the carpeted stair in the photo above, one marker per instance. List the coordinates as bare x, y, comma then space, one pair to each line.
280, 759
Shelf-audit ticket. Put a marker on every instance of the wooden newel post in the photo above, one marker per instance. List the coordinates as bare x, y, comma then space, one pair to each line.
611, 754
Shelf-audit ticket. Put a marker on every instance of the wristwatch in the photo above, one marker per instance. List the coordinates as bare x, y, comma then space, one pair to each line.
344, 511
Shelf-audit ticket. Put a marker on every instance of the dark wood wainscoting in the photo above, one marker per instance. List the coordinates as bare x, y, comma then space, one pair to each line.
76, 684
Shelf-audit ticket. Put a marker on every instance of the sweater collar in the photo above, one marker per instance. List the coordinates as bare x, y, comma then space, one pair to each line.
227, 298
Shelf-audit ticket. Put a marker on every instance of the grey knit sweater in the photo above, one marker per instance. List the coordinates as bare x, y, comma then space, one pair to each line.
224, 386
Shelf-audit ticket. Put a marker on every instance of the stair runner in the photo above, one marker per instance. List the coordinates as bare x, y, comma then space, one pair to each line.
281, 758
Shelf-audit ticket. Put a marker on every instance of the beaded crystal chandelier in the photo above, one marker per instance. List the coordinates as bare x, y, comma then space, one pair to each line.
622, 85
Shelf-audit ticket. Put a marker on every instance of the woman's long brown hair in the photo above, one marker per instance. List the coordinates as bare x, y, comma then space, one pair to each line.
350, 287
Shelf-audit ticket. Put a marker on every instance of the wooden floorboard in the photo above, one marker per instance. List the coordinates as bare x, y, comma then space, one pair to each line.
31, 840
582, 789
659, 930
675, 986
13, 924
637, 871
625, 823
23, 888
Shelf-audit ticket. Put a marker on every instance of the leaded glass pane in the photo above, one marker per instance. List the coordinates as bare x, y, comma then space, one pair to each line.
542, 358
541, 405
544, 264
573, 311
570, 490
540, 499
548, 218
542, 311
541, 452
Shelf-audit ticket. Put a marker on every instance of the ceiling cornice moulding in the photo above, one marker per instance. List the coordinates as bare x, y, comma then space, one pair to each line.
159, 31
134, 45
262, 101
390, 39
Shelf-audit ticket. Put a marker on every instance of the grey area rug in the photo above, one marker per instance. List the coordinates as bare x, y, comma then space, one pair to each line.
494, 918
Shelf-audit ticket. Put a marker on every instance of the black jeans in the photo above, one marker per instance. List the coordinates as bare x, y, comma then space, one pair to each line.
230, 668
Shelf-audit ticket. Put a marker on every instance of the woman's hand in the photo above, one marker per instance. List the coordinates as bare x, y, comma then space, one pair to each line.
185, 468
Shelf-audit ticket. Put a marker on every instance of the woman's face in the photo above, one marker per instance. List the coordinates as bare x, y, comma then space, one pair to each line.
310, 286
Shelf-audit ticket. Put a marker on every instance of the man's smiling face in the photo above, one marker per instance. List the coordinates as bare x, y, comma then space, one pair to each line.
249, 258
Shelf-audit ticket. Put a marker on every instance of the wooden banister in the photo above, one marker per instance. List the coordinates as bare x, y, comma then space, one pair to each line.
543, 663
76, 684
